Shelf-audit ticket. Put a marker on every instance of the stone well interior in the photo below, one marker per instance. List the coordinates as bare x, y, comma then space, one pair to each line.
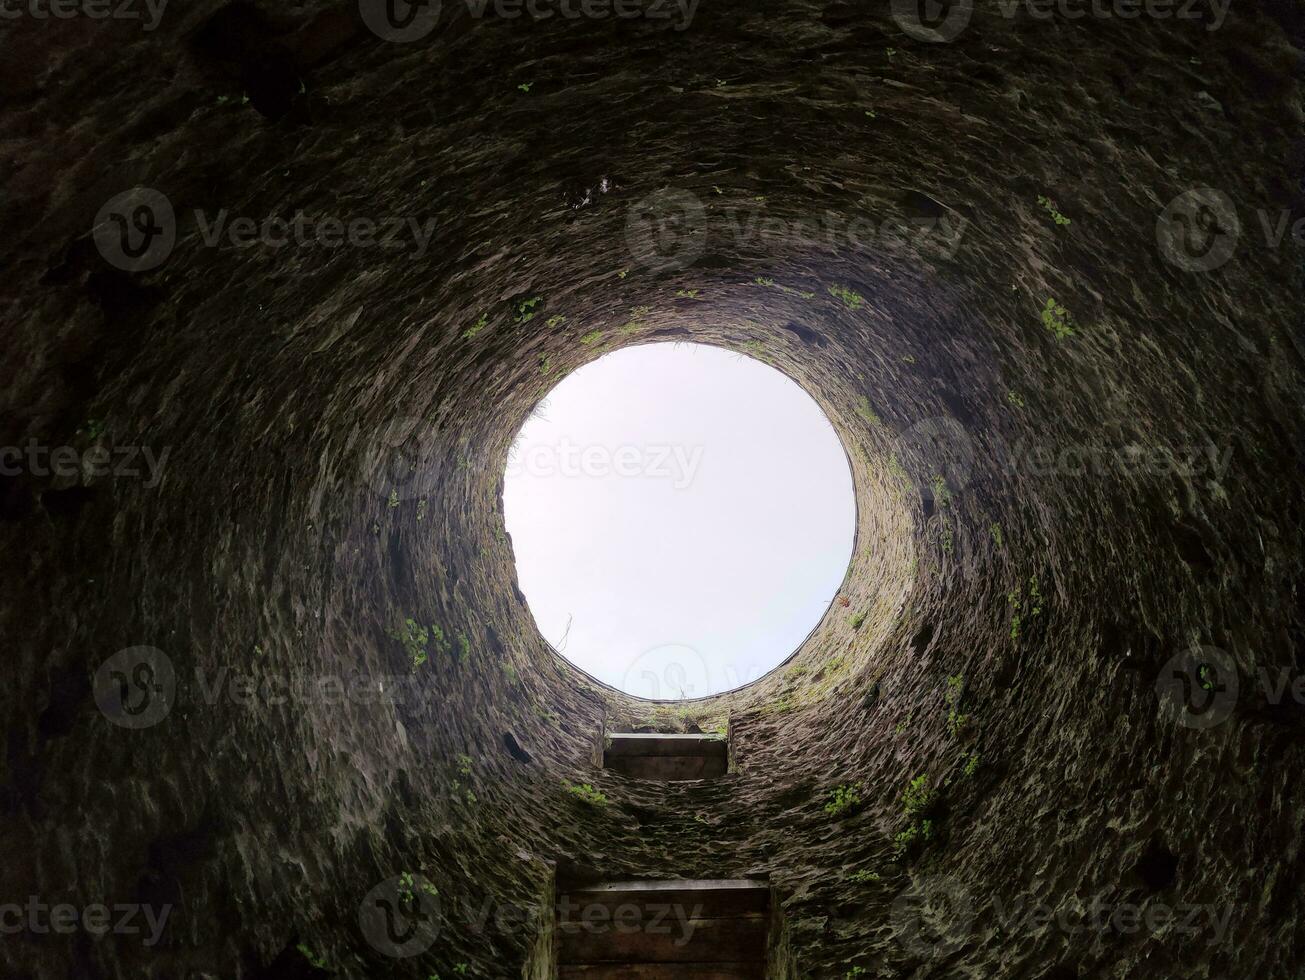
336, 428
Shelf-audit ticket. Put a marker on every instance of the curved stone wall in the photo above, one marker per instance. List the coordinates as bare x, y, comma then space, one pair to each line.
1053, 501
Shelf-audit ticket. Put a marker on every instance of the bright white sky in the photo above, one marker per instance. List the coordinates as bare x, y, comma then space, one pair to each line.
686, 510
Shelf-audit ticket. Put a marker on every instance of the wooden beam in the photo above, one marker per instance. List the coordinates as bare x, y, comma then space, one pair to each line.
670, 940
713, 899
667, 768
663, 971
709, 746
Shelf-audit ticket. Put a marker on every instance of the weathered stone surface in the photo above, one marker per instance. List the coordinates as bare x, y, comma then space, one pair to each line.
270, 548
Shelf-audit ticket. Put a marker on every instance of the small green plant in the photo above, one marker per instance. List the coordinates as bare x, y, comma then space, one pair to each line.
913, 836
408, 883
318, 962
591, 338
779, 706
414, 638
438, 640
525, 86
464, 765
972, 764
622, 273
1022, 608
526, 309
941, 495
842, 799
1057, 319
464, 648
995, 530
586, 794
916, 800
864, 877
92, 429
687, 293
1206, 676
1015, 398
394, 499
917, 796
421, 510
1050, 206
555, 321
899, 728
855, 620
853, 973
955, 720
764, 281
475, 328
545, 364
945, 535
851, 299
864, 410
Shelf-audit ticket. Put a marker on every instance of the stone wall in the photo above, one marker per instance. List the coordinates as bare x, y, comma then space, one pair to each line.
285, 540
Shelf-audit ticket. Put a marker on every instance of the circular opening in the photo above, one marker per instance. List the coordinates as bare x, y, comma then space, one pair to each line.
682, 516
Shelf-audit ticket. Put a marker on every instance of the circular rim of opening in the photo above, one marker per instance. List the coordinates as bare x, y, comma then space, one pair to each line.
856, 536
